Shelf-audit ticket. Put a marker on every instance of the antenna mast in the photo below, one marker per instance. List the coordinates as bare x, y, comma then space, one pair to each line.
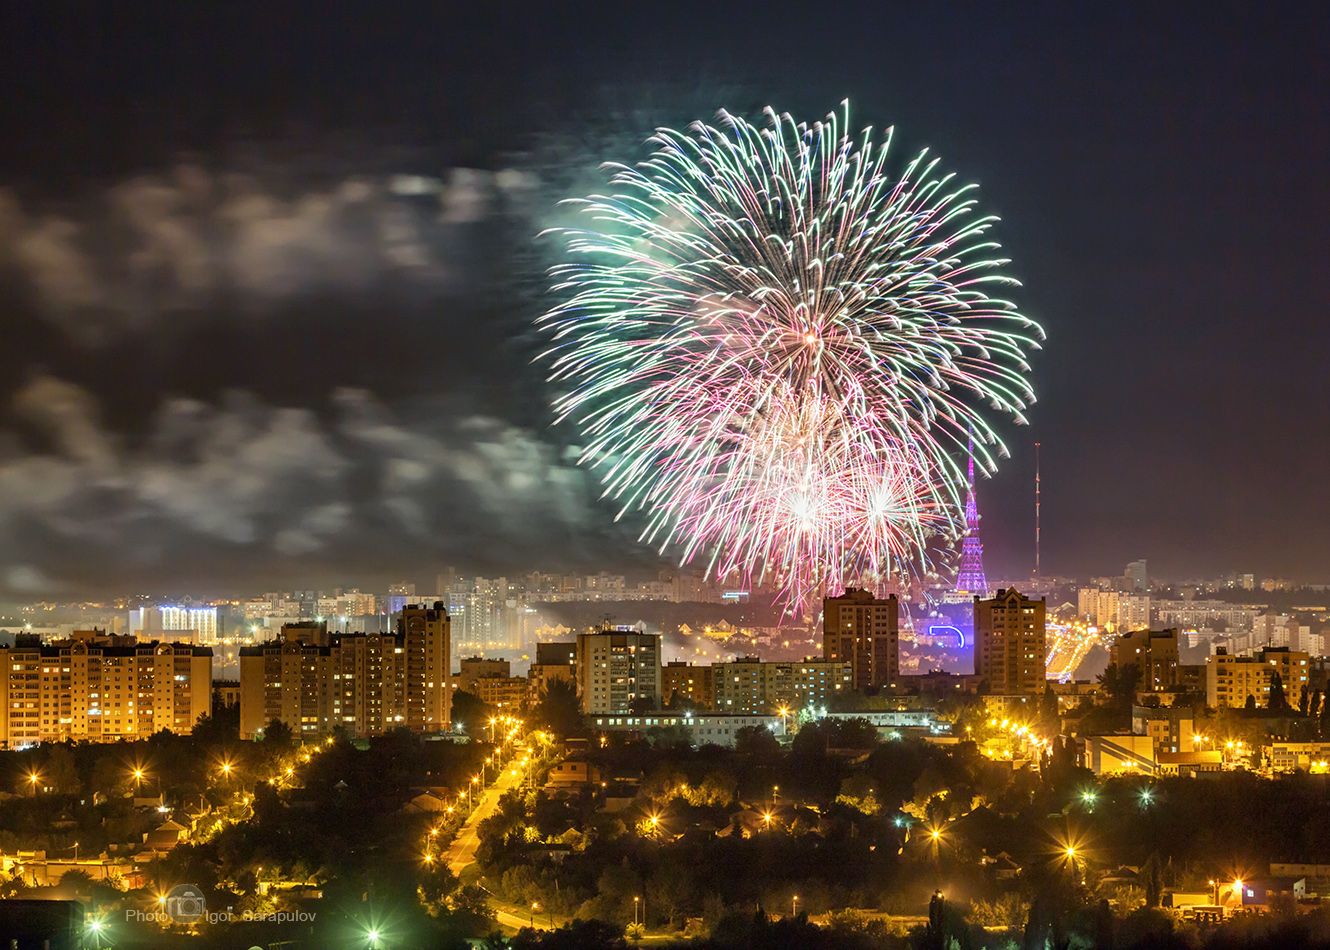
1036, 509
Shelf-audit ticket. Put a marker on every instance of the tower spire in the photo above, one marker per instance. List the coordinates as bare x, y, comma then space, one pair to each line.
971, 577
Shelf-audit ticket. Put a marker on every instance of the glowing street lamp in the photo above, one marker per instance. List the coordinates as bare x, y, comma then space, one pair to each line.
33, 778
637, 902
794, 905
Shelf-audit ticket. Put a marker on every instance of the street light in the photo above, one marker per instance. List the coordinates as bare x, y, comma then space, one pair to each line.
636, 903
33, 778
794, 905
535, 906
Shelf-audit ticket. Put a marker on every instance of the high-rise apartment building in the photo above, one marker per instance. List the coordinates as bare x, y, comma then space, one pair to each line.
365, 683
426, 634
1230, 679
1135, 576
682, 683
863, 632
1154, 653
750, 685
1009, 643
1133, 612
97, 688
618, 669
555, 661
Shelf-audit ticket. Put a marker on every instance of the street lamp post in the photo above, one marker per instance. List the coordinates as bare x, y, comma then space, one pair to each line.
636, 904
794, 906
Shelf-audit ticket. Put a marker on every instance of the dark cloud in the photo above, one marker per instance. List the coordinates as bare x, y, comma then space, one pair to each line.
279, 484
190, 239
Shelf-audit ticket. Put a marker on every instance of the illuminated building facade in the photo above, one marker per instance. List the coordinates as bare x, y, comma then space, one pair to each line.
1154, 653
863, 632
96, 688
1230, 679
682, 682
1010, 651
364, 683
618, 670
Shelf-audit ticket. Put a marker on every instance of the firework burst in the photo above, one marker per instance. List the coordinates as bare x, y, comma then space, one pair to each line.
776, 348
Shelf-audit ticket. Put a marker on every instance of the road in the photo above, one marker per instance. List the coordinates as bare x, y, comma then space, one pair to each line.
462, 850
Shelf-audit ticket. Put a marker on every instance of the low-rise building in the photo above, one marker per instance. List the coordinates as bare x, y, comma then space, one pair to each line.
1299, 756
1171, 727
720, 729
1190, 763
472, 668
1109, 755
508, 694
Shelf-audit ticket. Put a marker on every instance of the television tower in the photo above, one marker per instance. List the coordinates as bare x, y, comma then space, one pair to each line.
971, 577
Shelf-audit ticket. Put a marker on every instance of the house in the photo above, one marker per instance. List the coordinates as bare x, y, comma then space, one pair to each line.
572, 773
430, 801
164, 837
1258, 894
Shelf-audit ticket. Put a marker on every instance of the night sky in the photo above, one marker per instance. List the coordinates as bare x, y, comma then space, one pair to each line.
267, 274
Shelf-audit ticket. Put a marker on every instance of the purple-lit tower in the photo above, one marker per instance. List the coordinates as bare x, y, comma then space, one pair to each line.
971, 577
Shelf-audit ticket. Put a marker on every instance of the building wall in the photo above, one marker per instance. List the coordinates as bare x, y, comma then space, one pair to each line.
101, 689
617, 669
1010, 654
864, 632
1153, 653
696, 684
366, 684
1230, 679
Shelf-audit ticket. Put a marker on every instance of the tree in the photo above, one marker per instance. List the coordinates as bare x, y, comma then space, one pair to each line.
60, 770
756, 740
470, 713
1304, 702
1152, 879
669, 891
559, 711
278, 733
220, 728
1119, 683
1277, 702
1250, 704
